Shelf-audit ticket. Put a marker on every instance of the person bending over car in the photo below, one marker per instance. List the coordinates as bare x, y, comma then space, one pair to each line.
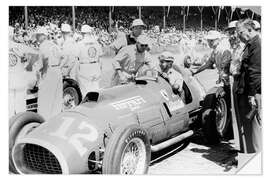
166, 60
129, 60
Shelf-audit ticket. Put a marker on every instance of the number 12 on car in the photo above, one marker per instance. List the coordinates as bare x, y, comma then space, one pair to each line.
76, 139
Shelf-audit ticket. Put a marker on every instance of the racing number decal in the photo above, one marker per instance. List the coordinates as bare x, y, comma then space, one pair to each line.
92, 52
12, 60
76, 138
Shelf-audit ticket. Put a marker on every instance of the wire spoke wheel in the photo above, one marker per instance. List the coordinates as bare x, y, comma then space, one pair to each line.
133, 157
221, 116
70, 98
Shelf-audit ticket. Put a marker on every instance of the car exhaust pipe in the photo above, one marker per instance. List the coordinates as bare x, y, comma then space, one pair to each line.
172, 141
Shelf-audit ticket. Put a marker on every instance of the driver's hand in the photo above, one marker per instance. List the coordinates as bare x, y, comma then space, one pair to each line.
165, 75
192, 72
123, 77
252, 101
126, 75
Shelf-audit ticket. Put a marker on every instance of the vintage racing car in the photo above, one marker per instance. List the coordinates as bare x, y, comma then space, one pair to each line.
116, 129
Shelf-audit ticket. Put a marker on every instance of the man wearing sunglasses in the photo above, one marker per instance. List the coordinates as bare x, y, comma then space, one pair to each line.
129, 60
137, 27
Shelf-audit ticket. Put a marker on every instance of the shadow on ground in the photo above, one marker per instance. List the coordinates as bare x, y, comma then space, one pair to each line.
223, 154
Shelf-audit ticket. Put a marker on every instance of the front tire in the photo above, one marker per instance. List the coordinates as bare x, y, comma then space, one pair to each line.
128, 152
20, 125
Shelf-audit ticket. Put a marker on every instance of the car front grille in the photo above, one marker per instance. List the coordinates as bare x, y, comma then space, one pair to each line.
40, 160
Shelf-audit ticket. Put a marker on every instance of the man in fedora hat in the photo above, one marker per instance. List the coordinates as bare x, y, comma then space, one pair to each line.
136, 27
220, 56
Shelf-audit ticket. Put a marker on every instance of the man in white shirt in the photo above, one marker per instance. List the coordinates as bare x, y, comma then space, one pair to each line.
89, 57
50, 94
129, 60
137, 27
19, 79
70, 53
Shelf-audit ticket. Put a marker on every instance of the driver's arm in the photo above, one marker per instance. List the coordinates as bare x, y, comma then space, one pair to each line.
118, 60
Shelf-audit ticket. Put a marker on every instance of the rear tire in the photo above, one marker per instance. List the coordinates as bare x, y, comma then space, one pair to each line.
128, 152
17, 123
71, 94
223, 120
209, 126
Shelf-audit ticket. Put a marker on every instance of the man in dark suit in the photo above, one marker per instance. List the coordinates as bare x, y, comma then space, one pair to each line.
248, 88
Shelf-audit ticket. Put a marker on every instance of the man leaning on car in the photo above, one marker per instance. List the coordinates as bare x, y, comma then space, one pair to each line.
129, 60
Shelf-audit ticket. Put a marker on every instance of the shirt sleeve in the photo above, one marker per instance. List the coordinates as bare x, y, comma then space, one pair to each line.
43, 51
176, 78
119, 43
120, 57
211, 59
226, 59
254, 69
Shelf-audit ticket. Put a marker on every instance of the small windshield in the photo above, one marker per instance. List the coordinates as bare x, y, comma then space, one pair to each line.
146, 73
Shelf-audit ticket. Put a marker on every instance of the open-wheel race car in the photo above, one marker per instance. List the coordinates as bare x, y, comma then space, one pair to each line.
114, 131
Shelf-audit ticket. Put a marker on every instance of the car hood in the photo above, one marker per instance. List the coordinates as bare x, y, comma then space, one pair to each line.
69, 136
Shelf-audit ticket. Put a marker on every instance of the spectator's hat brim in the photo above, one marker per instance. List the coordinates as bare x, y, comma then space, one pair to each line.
137, 22
212, 35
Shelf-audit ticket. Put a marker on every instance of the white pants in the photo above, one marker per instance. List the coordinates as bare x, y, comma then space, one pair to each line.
18, 84
89, 77
17, 101
50, 93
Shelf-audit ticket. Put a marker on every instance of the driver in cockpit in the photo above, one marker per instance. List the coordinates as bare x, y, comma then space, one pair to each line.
166, 60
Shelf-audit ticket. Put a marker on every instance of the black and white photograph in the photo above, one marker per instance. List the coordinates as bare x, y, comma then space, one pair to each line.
134, 89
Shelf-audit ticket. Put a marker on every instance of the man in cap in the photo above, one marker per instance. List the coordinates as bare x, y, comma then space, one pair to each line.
50, 94
70, 53
220, 56
137, 27
166, 60
236, 47
90, 67
130, 59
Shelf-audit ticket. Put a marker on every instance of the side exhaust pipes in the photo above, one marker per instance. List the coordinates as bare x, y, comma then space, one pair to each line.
172, 141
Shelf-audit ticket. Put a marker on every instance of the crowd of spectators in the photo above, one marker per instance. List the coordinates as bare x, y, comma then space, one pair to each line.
98, 18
